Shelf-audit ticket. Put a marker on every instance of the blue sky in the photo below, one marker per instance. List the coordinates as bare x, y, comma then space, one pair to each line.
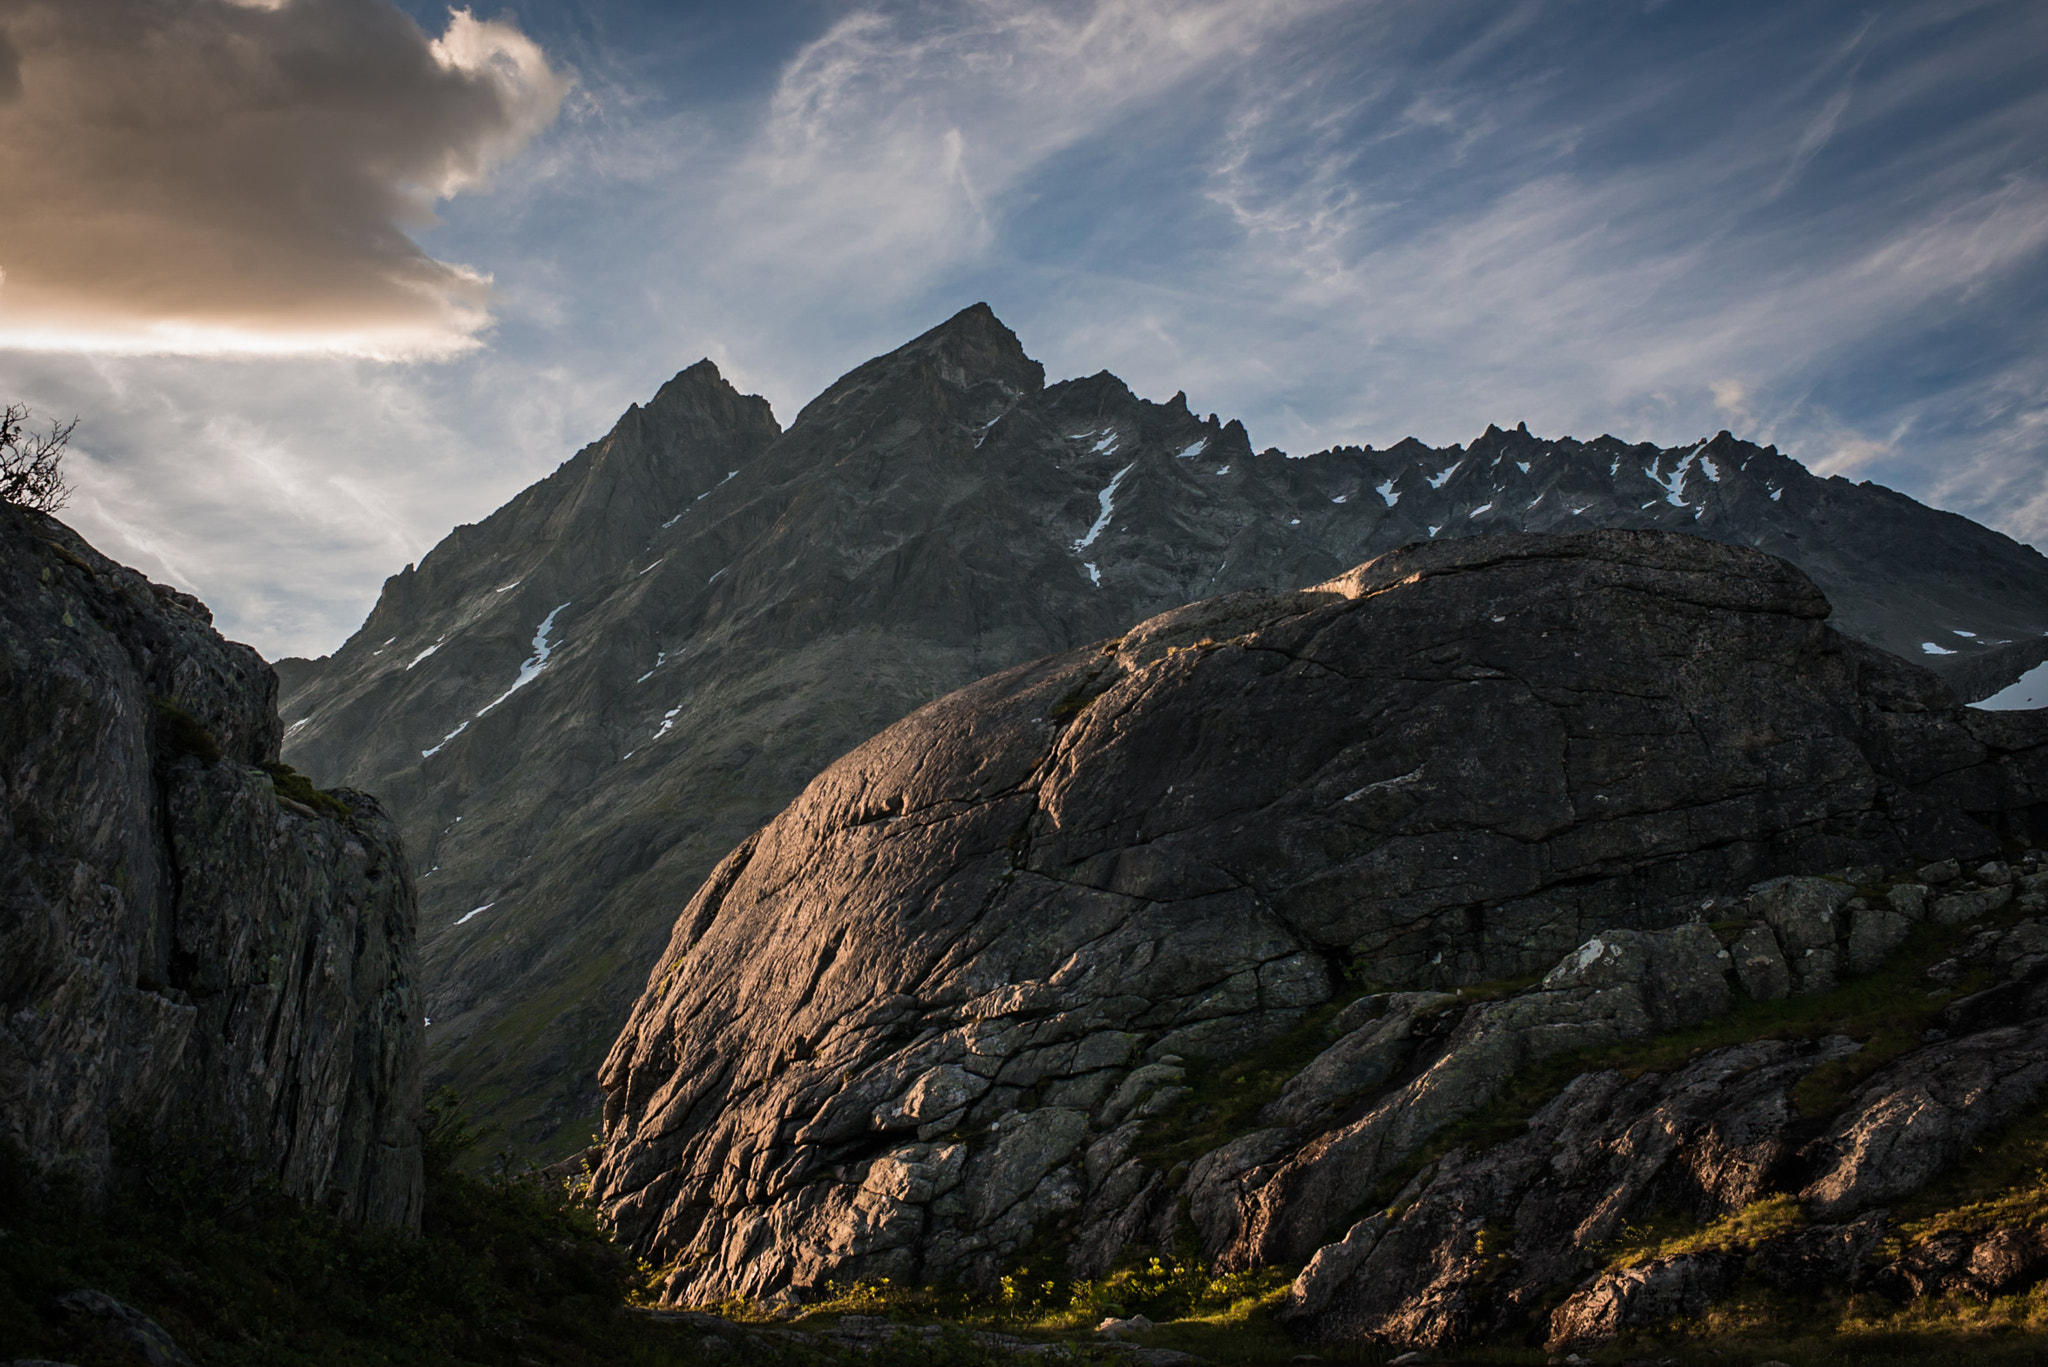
1821, 224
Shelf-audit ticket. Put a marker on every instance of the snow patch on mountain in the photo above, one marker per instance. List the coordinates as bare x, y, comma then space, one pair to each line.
530, 670
1107, 498
2030, 690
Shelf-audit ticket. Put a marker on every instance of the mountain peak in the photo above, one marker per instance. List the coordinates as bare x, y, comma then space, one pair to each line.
977, 343
970, 348
693, 386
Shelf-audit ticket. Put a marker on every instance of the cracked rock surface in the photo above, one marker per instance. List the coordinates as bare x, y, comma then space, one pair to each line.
972, 959
182, 948
1485, 1240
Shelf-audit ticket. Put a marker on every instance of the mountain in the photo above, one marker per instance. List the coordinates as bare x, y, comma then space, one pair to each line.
578, 706
197, 948
1024, 971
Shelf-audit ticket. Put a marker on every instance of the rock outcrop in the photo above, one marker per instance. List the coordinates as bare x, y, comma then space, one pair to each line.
928, 1014
577, 706
194, 943
1485, 1240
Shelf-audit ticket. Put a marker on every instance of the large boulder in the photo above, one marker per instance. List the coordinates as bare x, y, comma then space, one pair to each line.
1009, 920
186, 948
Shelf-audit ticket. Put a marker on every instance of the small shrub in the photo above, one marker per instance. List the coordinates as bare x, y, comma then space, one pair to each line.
179, 733
296, 786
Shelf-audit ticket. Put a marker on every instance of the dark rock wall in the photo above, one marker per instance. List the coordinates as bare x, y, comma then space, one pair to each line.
924, 1014
181, 949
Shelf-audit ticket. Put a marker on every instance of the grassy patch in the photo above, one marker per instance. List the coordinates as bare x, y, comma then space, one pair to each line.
2003, 1181
1733, 1233
1225, 1096
1226, 1319
290, 783
1841, 1329
178, 733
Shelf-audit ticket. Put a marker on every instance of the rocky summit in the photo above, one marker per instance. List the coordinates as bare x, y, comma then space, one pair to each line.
200, 949
1503, 800
578, 706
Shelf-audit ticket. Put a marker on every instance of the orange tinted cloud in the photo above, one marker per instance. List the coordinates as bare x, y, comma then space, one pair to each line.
241, 175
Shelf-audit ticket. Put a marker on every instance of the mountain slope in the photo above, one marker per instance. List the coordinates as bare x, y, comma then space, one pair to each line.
581, 704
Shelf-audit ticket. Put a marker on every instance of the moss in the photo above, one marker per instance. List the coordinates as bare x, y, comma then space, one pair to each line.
178, 733
1736, 1232
2002, 1181
292, 784
1225, 1096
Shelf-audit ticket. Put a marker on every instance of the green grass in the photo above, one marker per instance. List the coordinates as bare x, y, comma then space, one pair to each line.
501, 1087
2003, 1181
511, 1271
1226, 1319
179, 733
1225, 1096
290, 783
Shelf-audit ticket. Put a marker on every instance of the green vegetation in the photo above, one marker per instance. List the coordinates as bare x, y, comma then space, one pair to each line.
1224, 1097
1226, 1319
290, 783
179, 733
2004, 1181
1736, 1232
510, 1270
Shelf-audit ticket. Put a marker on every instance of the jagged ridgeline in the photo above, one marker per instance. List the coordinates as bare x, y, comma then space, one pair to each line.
202, 951
1211, 937
578, 706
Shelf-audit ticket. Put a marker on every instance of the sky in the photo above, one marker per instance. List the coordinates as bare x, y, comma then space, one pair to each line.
323, 279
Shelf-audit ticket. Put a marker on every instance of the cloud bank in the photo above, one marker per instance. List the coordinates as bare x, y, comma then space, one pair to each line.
241, 176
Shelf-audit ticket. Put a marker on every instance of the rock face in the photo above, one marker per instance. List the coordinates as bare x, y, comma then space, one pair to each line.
1483, 1241
183, 948
928, 1012
578, 706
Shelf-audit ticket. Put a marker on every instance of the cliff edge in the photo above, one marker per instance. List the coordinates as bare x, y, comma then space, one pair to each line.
195, 945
